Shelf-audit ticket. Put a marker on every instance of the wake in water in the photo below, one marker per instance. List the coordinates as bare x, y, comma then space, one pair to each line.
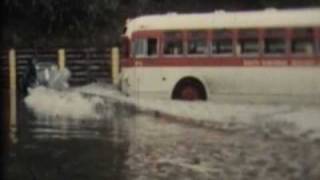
95, 101
47, 102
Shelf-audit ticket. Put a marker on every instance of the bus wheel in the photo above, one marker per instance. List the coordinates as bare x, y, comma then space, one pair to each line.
189, 90
190, 93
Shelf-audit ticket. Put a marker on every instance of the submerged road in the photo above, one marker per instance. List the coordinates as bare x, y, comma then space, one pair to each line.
125, 144
56, 149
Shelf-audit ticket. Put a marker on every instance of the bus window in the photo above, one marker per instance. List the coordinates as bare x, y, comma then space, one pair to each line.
222, 42
197, 43
248, 42
173, 44
274, 46
302, 46
302, 41
221, 46
144, 47
249, 46
274, 42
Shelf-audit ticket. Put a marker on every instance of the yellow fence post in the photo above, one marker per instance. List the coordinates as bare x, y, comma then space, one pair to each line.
61, 58
13, 93
115, 65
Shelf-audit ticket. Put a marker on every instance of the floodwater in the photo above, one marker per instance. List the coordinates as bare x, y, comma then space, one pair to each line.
67, 149
125, 144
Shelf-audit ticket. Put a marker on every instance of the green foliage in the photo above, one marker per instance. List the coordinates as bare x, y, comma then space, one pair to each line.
100, 22
54, 22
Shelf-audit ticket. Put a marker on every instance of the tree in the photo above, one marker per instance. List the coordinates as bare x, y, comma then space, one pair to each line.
99, 22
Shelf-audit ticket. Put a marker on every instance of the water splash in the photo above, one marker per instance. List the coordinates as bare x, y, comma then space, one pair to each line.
45, 102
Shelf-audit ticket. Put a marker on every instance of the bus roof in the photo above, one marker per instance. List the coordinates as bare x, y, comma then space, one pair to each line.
268, 18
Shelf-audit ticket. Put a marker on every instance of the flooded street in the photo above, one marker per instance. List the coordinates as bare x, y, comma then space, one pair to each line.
160, 90
125, 143
57, 148
163, 150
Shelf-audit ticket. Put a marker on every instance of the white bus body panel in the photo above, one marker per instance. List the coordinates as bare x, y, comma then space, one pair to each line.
228, 83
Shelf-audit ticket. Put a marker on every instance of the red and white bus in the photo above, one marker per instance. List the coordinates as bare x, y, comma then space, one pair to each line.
266, 53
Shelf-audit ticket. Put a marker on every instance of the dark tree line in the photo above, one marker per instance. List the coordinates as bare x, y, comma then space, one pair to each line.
52, 23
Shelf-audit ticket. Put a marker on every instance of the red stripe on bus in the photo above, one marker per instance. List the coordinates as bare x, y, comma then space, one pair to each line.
220, 62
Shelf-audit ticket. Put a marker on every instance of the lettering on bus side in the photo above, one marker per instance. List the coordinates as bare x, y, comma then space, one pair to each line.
138, 63
251, 62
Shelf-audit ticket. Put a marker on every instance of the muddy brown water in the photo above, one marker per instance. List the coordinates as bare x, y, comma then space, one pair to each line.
65, 149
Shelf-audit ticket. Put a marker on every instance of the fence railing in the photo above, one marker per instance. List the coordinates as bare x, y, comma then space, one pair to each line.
86, 65
4, 69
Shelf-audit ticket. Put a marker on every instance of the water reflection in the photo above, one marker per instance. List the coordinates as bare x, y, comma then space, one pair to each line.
53, 148
67, 128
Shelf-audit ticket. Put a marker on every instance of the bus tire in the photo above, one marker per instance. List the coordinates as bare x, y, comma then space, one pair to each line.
189, 89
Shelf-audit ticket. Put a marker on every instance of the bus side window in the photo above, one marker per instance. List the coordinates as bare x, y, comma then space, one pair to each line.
274, 46
173, 43
152, 47
221, 46
274, 42
248, 42
197, 43
221, 43
302, 42
302, 46
249, 46
144, 47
